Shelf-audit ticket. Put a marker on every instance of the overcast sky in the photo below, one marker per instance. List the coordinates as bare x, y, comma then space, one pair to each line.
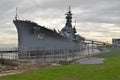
95, 19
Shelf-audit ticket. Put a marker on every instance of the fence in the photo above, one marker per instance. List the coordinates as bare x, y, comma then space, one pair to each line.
42, 55
49, 55
9, 53
39, 56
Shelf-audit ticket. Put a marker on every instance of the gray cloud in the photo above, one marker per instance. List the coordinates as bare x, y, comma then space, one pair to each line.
92, 15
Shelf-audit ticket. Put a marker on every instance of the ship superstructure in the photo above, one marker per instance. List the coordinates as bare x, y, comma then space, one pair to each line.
70, 31
33, 37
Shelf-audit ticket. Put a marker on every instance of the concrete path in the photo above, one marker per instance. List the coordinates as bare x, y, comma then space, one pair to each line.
85, 57
90, 60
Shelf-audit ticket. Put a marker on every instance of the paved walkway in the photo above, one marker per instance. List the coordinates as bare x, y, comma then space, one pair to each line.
11, 72
84, 54
86, 57
90, 60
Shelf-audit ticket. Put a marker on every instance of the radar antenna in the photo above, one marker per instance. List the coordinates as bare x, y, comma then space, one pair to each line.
16, 15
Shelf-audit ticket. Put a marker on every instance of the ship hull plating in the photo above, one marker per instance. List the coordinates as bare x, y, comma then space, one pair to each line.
30, 40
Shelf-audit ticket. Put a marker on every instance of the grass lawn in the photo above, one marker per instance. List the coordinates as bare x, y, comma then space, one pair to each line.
109, 70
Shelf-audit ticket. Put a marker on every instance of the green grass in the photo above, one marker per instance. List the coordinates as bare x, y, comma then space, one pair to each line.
109, 70
112, 53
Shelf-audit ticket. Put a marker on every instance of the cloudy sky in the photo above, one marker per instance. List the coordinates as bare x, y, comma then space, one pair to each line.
95, 19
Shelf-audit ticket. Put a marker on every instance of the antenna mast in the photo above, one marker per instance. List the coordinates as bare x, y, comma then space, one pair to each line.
16, 15
69, 3
69, 8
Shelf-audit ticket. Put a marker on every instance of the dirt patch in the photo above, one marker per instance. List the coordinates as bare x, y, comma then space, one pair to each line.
14, 67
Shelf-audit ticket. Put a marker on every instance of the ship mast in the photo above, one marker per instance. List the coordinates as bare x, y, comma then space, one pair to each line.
69, 19
69, 8
16, 15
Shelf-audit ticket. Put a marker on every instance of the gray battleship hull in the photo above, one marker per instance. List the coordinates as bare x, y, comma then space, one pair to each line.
48, 39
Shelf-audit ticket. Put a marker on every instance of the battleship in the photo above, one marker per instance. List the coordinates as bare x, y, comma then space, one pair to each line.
33, 37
